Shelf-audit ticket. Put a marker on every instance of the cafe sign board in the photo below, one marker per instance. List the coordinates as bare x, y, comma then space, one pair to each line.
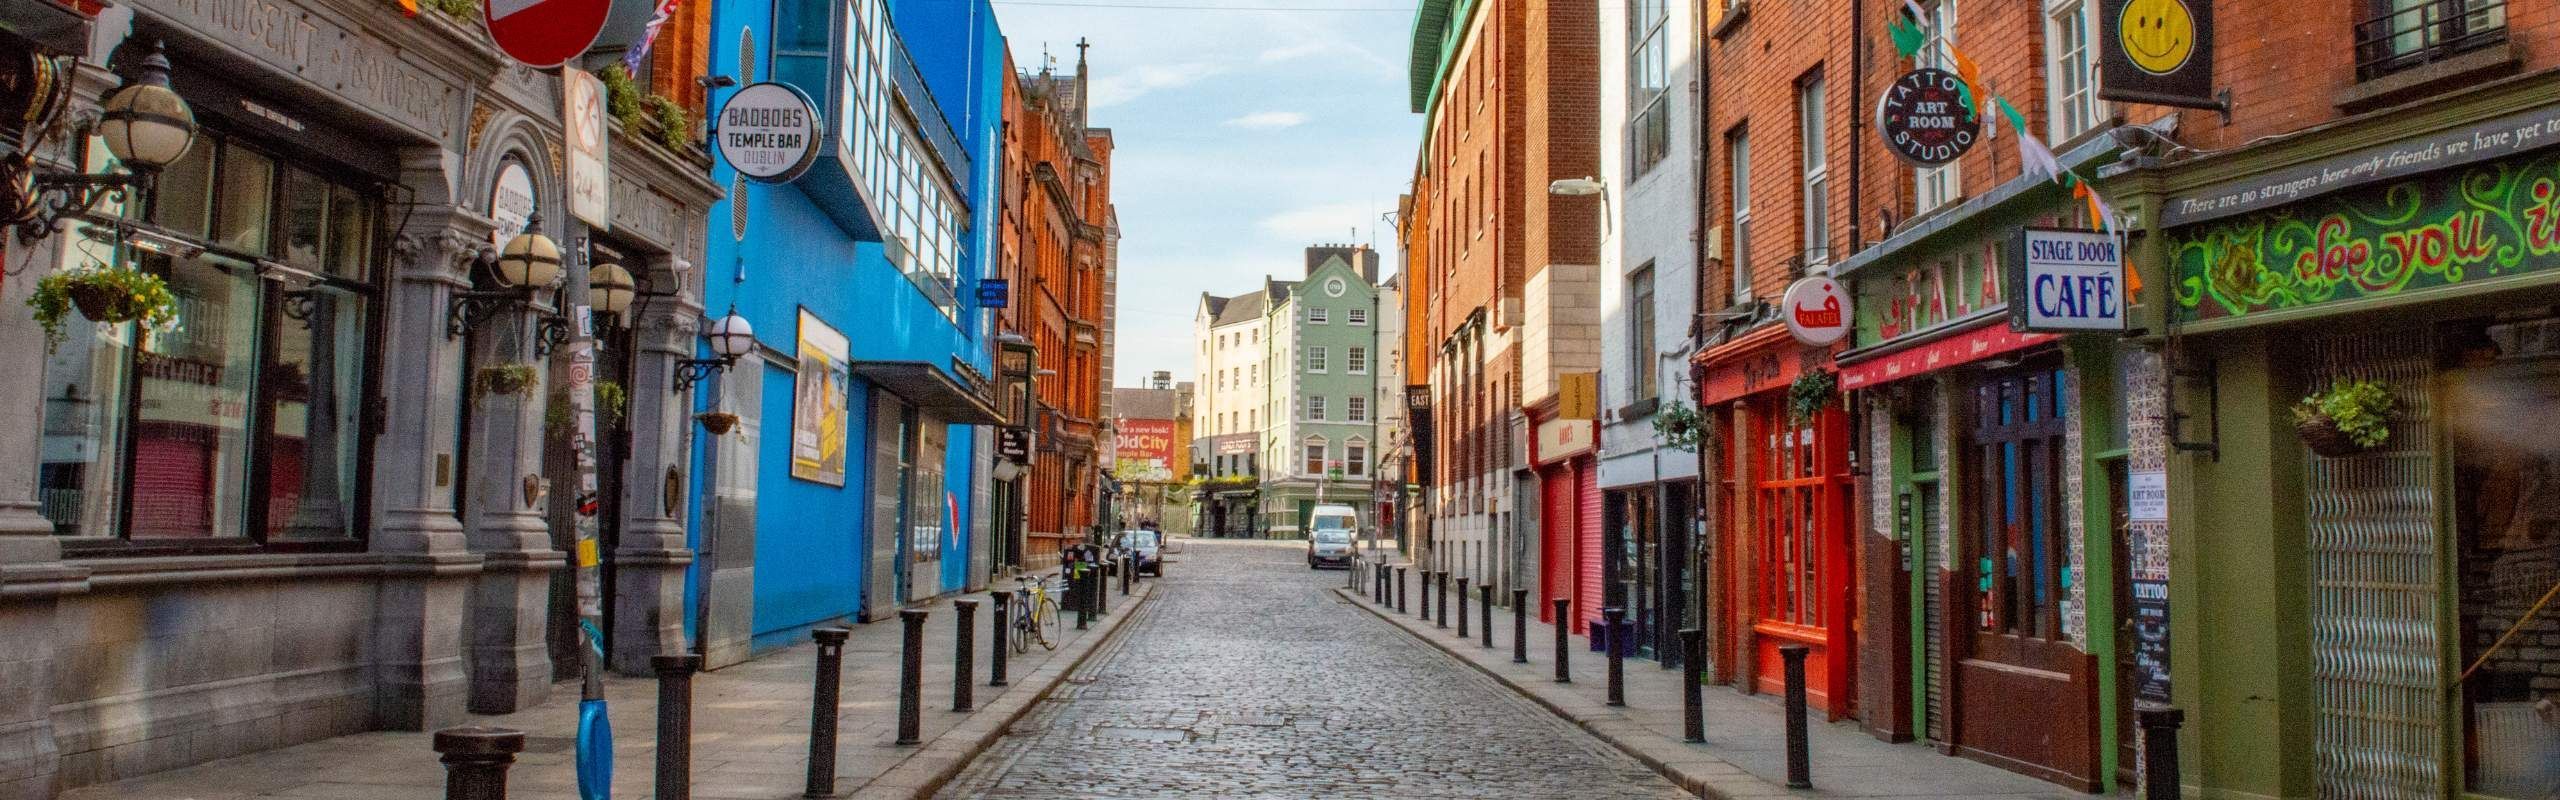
2068, 281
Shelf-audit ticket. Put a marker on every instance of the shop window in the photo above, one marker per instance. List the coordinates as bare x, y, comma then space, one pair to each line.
2017, 547
240, 423
1640, 345
2506, 485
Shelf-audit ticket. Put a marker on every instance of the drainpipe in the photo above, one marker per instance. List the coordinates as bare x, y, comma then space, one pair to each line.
1857, 121
1703, 532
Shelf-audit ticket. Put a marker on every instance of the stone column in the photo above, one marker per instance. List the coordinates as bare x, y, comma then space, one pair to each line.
418, 667
504, 628
650, 560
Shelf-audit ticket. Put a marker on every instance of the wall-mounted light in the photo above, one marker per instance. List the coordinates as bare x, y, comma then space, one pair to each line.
527, 264
731, 337
146, 126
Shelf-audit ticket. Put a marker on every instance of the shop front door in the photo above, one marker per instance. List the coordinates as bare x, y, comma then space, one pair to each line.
2023, 693
1800, 550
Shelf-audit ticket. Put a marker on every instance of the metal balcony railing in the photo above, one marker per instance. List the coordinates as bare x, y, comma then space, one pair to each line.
2417, 32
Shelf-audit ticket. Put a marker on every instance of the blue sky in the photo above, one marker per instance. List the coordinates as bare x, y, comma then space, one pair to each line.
1243, 136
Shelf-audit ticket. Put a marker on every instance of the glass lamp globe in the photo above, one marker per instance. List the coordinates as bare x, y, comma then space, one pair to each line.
530, 259
732, 337
146, 125
610, 288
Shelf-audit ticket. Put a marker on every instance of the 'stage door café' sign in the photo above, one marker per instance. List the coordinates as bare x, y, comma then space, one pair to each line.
1924, 119
2067, 281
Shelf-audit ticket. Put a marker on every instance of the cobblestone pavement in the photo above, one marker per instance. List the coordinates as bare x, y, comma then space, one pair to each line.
1243, 678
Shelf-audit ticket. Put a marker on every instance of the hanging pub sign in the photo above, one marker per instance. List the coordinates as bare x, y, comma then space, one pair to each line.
2157, 51
2065, 281
511, 202
1924, 118
1816, 310
768, 132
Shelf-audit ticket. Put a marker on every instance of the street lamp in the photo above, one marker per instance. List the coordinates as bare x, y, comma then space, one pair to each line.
730, 337
1585, 187
610, 289
146, 126
527, 264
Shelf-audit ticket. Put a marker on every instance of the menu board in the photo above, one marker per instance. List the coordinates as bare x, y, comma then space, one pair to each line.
2151, 641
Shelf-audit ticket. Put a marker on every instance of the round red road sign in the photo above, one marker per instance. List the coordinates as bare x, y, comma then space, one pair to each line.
544, 33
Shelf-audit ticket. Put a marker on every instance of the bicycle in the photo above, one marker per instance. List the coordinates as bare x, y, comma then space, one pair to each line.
1035, 615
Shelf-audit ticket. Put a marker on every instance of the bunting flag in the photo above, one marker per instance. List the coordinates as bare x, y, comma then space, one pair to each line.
1907, 37
409, 7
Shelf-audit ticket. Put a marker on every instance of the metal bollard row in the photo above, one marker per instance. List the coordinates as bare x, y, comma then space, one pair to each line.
476, 760
1693, 701
823, 711
675, 723
1462, 608
1519, 626
996, 632
1613, 616
1484, 624
1564, 664
964, 652
911, 677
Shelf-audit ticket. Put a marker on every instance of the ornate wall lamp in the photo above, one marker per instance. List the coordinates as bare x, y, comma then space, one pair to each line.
731, 337
146, 126
528, 264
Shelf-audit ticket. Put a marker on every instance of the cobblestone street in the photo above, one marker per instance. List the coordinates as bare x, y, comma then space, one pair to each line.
1244, 677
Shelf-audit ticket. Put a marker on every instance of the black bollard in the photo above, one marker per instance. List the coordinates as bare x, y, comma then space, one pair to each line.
1426, 595
1400, 593
1519, 626
1799, 763
1564, 659
475, 761
1617, 651
997, 630
2159, 750
1484, 624
675, 723
1084, 607
1378, 584
1443, 592
823, 711
1462, 608
911, 677
1102, 587
1693, 701
1128, 572
964, 654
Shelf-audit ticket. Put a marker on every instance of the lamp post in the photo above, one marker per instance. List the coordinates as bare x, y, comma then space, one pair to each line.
731, 337
530, 262
1021, 364
146, 126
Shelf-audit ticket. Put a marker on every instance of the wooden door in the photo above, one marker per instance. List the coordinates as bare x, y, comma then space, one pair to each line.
2023, 698
1799, 523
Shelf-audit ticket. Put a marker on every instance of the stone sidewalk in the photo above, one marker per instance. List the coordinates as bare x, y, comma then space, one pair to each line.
750, 729
1745, 752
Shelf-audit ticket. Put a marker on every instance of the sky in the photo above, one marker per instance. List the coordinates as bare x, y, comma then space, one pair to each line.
1240, 138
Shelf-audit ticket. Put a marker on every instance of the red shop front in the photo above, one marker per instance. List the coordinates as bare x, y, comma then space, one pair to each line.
1782, 499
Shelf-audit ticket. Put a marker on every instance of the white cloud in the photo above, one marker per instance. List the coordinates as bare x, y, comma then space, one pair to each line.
1268, 120
1293, 52
1114, 87
1330, 222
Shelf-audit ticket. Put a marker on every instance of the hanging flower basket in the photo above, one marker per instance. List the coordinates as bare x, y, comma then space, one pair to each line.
516, 379
2350, 417
1813, 391
717, 422
109, 295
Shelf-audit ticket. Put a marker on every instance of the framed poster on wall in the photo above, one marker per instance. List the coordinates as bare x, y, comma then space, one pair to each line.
818, 414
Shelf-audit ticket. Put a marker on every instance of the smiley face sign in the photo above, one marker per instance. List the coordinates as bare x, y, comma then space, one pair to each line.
2158, 36
2156, 52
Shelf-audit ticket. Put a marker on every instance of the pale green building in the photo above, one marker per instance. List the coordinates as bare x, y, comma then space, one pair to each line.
1320, 441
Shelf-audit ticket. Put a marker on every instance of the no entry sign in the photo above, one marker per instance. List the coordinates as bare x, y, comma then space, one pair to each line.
544, 33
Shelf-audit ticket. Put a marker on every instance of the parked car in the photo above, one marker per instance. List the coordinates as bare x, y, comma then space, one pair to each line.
1329, 536
1149, 546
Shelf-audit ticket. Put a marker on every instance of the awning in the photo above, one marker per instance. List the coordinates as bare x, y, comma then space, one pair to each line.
1992, 337
930, 390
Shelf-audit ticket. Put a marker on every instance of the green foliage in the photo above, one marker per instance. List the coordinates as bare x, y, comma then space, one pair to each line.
675, 125
459, 10
516, 379
1679, 426
611, 402
633, 105
104, 294
622, 97
1813, 391
2360, 409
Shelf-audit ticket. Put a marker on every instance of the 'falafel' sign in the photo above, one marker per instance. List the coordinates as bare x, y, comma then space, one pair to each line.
769, 132
1924, 117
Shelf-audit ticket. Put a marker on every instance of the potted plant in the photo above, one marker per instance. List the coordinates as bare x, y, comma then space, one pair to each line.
103, 294
1678, 425
717, 422
2349, 417
516, 378
1812, 392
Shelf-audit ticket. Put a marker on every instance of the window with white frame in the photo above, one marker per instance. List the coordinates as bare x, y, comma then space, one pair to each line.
1355, 458
1938, 186
2071, 80
1314, 464
1356, 408
1817, 172
1356, 316
918, 208
1356, 360
1648, 74
1317, 316
1316, 358
1738, 153
1315, 407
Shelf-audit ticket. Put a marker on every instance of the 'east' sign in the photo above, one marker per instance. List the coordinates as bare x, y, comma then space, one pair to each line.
2065, 281
1924, 119
2157, 51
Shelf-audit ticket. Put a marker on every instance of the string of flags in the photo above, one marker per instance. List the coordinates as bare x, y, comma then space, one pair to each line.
2034, 158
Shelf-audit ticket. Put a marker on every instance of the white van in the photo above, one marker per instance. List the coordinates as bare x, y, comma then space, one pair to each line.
1330, 533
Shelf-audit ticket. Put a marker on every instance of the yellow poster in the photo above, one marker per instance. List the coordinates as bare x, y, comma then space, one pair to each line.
818, 416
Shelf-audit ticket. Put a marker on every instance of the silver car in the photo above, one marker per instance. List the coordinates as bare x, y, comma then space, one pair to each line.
1329, 547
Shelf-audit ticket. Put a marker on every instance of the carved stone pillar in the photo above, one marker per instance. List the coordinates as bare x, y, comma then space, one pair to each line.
652, 556
505, 626
418, 667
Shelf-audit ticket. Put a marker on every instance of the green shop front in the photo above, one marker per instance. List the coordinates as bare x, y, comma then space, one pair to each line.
2356, 586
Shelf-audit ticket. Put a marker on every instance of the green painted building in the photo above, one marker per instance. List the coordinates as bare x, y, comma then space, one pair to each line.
1320, 438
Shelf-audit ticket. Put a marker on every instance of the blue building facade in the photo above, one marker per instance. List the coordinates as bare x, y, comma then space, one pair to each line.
851, 486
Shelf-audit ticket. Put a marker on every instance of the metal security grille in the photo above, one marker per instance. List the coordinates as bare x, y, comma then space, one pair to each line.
1933, 590
2373, 613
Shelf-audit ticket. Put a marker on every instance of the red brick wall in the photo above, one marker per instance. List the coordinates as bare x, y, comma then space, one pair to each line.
1754, 72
